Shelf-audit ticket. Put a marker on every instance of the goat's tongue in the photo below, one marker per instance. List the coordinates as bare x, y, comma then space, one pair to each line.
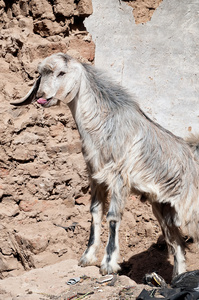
42, 101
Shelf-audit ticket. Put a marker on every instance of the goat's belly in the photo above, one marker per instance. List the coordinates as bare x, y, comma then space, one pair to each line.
148, 191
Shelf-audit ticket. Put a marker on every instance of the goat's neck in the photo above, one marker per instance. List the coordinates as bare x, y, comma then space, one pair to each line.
87, 113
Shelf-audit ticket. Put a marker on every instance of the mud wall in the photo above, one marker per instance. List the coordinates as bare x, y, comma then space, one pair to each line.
151, 47
42, 172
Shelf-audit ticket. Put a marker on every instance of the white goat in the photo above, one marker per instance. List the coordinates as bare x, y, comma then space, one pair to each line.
125, 152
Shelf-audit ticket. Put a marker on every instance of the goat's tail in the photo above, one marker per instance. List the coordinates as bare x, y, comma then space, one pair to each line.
193, 142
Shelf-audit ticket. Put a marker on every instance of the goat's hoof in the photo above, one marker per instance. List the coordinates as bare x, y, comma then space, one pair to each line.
84, 261
109, 269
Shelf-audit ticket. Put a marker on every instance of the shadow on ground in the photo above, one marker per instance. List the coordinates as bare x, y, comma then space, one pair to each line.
154, 259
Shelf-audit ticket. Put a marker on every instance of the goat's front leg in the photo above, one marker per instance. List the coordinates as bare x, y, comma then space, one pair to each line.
110, 260
109, 263
98, 198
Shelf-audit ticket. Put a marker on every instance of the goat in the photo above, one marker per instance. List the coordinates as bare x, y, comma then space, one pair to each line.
125, 152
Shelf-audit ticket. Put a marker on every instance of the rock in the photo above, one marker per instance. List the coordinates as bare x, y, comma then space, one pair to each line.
149, 229
84, 8
42, 9
21, 153
13, 44
64, 8
47, 28
26, 138
57, 130
9, 210
3, 264
26, 23
24, 7
16, 9
36, 237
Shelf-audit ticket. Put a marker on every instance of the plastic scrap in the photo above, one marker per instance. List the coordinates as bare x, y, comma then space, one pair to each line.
105, 279
79, 296
73, 281
183, 286
154, 279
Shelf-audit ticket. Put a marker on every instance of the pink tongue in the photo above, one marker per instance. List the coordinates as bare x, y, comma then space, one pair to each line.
42, 101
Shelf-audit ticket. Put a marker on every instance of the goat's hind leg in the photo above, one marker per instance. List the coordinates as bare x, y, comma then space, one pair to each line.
98, 199
168, 220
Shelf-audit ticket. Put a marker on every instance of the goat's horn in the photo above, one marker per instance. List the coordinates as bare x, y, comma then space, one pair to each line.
30, 96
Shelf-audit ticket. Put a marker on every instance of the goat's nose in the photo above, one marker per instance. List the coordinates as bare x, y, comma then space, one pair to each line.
40, 95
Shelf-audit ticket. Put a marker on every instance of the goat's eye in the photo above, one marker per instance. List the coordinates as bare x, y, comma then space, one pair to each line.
61, 74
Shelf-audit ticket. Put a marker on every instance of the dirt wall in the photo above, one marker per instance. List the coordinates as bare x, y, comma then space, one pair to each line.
42, 172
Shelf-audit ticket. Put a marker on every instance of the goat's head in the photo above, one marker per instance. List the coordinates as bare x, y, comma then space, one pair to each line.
59, 80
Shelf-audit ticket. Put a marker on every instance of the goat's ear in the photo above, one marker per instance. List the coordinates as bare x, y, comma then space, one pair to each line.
73, 92
30, 97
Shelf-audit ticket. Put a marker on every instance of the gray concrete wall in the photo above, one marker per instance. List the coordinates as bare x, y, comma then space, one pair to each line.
158, 61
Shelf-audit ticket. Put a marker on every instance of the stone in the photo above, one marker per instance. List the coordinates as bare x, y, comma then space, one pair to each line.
42, 8
24, 7
9, 210
64, 8
84, 8
47, 28
26, 23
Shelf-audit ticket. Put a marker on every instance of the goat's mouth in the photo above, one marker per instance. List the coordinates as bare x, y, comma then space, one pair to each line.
44, 101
